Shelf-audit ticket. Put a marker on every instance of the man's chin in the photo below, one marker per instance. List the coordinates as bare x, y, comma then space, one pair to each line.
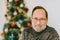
39, 29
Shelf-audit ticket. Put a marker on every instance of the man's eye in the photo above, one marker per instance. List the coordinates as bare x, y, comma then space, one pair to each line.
35, 18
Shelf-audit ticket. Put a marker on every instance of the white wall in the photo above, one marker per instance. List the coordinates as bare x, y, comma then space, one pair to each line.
52, 6
2, 13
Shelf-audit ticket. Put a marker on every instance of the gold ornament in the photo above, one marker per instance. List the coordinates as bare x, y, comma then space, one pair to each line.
21, 5
18, 24
19, 9
9, 18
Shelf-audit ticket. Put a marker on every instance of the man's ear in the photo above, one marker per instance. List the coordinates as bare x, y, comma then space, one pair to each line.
47, 20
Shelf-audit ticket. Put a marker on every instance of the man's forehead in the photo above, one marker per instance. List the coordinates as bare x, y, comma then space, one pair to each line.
39, 10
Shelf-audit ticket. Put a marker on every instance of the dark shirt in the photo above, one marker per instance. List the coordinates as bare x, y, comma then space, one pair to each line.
47, 34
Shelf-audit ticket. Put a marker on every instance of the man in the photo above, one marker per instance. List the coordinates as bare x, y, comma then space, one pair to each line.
39, 29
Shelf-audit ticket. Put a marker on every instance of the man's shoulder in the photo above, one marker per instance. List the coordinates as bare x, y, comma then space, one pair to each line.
53, 33
27, 29
51, 29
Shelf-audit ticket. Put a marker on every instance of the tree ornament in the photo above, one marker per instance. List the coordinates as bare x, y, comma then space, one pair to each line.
6, 4
6, 30
26, 9
19, 10
10, 0
1, 36
12, 24
16, 0
1, 33
20, 21
9, 5
21, 5
11, 37
9, 18
7, 11
28, 24
15, 13
18, 24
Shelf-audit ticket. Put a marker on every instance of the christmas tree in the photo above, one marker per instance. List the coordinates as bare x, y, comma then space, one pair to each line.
16, 19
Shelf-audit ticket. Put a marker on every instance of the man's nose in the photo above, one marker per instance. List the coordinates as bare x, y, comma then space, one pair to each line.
38, 22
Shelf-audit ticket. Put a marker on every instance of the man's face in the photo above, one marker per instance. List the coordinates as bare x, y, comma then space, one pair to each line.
39, 20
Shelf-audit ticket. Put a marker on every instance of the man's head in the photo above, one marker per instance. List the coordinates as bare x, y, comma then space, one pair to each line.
39, 18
